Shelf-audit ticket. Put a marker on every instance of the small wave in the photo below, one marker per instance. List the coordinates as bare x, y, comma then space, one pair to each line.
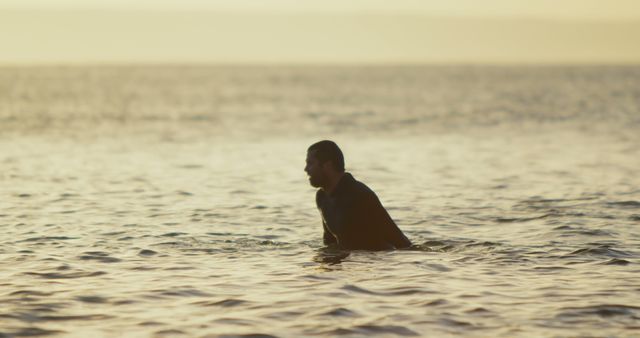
57, 275
77, 317
173, 234
330, 256
602, 310
478, 311
625, 204
616, 261
358, 289
34, 317
520, 219
571, 231
433, 246
229, 302
46, 239
369, 330
225, 245
92, 299
235, 321
146, 252
454, 245
403, 291
32, 332
437, 267
340, 312
393, 329
183, 293
224, 234
113, 233
454, 323
602, 250
556, 206
484, 244
429, 303
399, 291
149, 323
594, 232
551, 268
248, 335
170, 332
268, 236
30, 293
102, 257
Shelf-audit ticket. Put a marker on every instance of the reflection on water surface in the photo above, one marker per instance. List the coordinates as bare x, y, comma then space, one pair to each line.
129, 213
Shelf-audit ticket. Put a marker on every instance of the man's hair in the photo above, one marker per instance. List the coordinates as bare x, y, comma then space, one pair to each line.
328, 151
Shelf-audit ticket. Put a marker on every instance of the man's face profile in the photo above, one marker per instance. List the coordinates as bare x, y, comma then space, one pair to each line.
314, 169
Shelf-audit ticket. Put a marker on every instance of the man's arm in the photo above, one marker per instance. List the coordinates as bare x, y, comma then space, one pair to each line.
328, 238
390, 231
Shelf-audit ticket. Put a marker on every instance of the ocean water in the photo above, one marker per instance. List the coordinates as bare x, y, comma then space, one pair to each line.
170, 201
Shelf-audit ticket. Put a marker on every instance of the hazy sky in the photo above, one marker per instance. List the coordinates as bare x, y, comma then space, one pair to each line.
577, 9
255, 31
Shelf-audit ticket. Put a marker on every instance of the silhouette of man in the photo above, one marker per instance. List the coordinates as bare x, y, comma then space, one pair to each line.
352, 216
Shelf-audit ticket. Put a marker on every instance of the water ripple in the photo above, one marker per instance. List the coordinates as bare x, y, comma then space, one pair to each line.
57, 275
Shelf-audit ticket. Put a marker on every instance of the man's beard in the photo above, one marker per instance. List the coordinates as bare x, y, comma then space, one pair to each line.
317, 180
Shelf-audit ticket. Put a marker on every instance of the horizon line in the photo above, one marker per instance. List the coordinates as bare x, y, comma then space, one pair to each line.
320, 13
315, 64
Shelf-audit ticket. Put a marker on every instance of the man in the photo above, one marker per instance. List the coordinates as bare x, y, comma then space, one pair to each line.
352, 216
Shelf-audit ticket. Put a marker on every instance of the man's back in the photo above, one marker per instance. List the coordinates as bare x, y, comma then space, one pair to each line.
354, 218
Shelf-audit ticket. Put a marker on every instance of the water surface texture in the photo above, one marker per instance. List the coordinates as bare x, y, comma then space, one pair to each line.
172, 202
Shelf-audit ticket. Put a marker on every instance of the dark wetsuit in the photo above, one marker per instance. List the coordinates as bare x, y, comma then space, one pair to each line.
353, 218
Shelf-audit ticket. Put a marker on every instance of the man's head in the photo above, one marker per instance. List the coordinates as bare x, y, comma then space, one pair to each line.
324, 162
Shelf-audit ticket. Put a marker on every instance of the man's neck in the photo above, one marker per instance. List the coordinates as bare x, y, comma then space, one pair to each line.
333, 183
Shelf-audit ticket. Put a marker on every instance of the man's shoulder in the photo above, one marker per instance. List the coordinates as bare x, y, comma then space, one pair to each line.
362, 189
